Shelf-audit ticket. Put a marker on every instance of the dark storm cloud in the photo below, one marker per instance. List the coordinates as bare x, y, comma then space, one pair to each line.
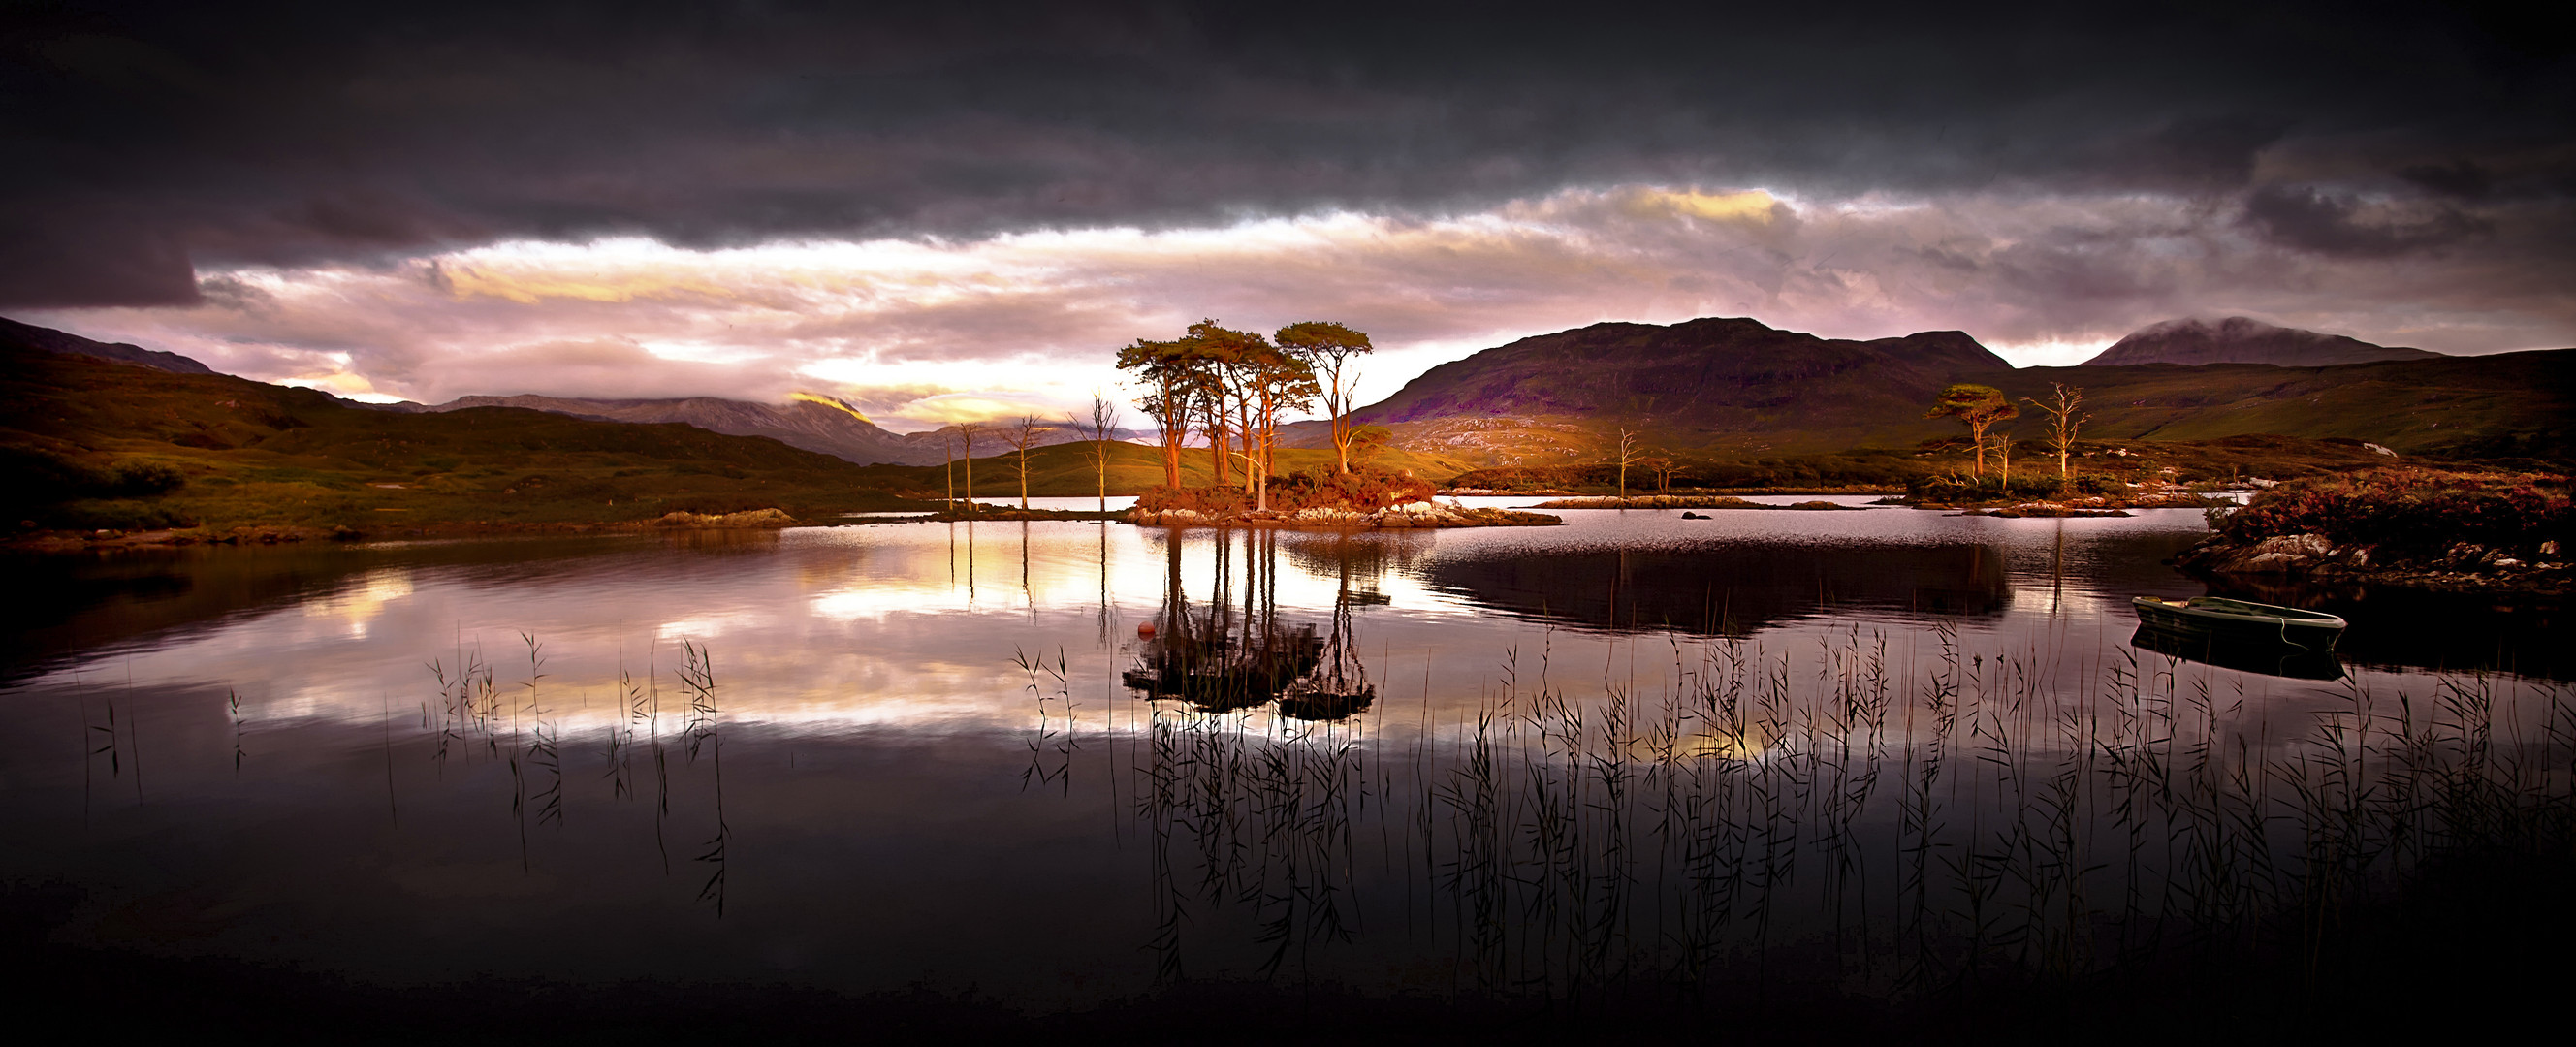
145, 137
2327, 222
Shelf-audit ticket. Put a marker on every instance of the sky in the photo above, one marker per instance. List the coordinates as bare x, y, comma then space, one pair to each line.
959, 210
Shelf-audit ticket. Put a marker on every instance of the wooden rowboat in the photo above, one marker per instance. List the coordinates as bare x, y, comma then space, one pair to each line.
2312, 630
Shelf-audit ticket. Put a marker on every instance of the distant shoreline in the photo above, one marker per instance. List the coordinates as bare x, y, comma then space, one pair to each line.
290, 534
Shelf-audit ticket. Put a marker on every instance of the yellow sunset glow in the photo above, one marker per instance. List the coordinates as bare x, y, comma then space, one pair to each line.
827, 401
1752, 205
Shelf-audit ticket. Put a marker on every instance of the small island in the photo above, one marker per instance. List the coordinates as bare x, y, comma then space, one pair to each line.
1422, 514
2425, 528
1364, 497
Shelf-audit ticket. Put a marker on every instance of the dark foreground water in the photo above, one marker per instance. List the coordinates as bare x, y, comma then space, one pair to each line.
1059, 764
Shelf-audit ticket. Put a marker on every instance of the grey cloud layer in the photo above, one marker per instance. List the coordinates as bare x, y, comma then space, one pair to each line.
153, 141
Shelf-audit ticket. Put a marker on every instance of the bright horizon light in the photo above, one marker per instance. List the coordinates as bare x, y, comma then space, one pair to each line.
918, 333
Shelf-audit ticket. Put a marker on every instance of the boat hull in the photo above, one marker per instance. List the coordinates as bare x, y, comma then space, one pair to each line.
2250, 654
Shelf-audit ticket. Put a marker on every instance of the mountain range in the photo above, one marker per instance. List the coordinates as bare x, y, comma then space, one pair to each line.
1734, 388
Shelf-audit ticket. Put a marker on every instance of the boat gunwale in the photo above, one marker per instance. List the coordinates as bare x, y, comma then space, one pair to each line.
2252, 613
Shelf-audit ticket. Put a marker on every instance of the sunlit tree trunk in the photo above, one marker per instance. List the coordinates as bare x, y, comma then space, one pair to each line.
966, 436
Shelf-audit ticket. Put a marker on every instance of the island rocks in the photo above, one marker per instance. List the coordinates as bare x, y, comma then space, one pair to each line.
2464, 565
1409, 515
752, 518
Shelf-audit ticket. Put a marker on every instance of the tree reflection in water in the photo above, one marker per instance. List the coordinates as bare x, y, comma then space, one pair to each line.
1235, 652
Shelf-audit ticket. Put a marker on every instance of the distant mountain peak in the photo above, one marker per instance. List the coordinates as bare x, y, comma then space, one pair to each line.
1703, 381
2243, 340
829, 401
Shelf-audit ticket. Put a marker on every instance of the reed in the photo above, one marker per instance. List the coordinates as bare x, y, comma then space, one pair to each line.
1902, 815
1903, 827
703, 733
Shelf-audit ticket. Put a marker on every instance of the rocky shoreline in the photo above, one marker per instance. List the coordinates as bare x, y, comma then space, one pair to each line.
1684, 501
2097, 505
2463, 567
2041, 510
1408, 516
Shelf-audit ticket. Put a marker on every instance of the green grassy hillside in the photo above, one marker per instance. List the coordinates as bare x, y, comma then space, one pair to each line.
90, 443
2128, 461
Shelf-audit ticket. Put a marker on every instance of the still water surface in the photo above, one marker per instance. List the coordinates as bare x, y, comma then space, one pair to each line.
1064, 762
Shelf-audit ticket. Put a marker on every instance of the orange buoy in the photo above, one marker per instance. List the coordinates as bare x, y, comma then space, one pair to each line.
1146, 630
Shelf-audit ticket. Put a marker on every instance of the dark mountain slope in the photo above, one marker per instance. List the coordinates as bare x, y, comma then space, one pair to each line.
1713, 374
2239, 340
86, 442
813, 426
809, 424
1736, 389
46, 339
2455, 403
1712, 383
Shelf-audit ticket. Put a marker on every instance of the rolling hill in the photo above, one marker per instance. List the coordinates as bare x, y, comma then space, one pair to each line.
87, 441
814, 423
813, 426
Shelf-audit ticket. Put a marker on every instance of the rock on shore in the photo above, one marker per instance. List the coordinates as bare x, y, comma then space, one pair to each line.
2464, 565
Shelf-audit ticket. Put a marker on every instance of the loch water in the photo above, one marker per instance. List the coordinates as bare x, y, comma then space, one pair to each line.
1058, 763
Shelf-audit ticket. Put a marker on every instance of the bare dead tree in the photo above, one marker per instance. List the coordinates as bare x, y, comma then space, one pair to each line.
1663, 466
1102, 426
966, 436
1629, 454
1023, 435
2065, 419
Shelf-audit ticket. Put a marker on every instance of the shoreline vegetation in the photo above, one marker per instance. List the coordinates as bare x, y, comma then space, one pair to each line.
2417, 527
249, 534
1423, 514
1364, 496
